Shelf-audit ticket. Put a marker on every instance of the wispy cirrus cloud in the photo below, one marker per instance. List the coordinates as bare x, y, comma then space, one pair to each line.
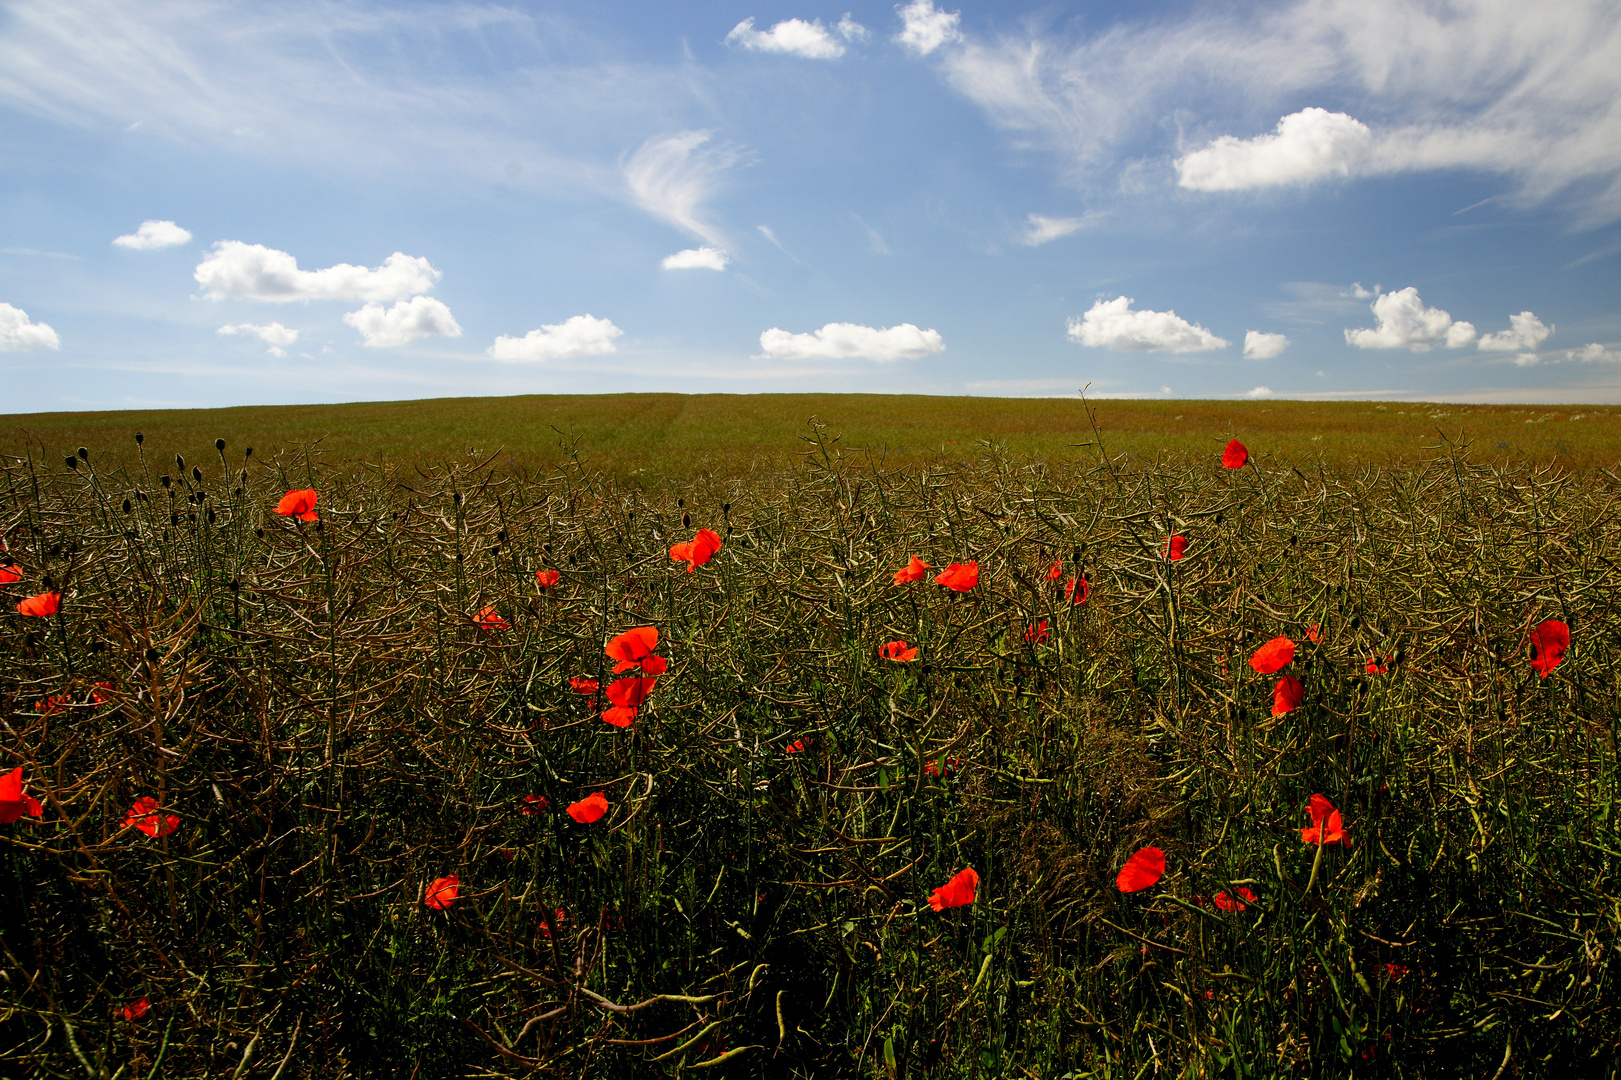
673, 176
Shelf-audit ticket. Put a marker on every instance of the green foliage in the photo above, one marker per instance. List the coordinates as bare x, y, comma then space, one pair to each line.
318, 705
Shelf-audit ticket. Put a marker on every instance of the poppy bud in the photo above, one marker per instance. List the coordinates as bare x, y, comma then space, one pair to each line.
84, 455
180, 463
219, 444
547, 548
192, 518
1401, 654
127, 506
73, 463
456, 498
151, 656
571, 559
725, 508
248, 452
139, 438
681, 502
211, 516
1356, 622
1220, 517
1293, 540
235, 584
196, 473
260, 533
686, 521
174, 517
165, 480
501, 535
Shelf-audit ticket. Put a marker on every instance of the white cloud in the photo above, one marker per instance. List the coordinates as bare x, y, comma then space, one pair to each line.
405, 322
704, 258
840, 341
1595, 353
924, 29
17, 332
1525, 332
1405, 323
1362, 294
274, 334
153, 234
794, 36
1260, 392
581, 335
1309, 145
1112, 324
235, 270
850, 30
1529, 359
672, 177
1259, 346
1040, 229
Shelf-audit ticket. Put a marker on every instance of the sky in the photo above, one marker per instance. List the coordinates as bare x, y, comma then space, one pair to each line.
207, 203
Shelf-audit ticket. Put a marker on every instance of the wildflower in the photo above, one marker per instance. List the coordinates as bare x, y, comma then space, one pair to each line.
559, 917
655, 665
11, 573
1548, 644
958, 892
1314, 634
631, 647
100, 693
697, 551
1395, 972
144, 816
1175, 547
627, 696
897, 651
1055, 571
1272, 657
1236, 902
1141, 870
959, 577
1326, 827
299, 504
589, 809
1037, 633
1077, 589
1374, 667
545, 578
1235, 455
489, 619
535, 804
943, 767
912, 571
1287, 695
52, 705
46, 603
582, 685
799, 746
135, 1009
14, 802
442, 892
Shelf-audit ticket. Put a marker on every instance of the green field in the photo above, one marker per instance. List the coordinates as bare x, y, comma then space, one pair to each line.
671, 436
337, 714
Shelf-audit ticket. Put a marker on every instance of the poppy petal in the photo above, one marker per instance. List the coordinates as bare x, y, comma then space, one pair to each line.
958, 892
589, 809
1235, 455
1144, 868
1274, 656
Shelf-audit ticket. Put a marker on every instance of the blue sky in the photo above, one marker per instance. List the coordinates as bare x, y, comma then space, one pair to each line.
210, 203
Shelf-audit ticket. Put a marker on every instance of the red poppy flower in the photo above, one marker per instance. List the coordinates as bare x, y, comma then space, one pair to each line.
627, 696
582, 685
100, 693
936, 768
145, 817
958, 892
1037, 633
1548, 644
799, 746
489, 619
1141, 870
46, 603
1235, 903
299, 504
631, 647
535, 804
1055, 571
559, 917
697, 551
1078, 589
1395, 972
1374, 667
655, 665
1287, 695
8, 574
1175, 547
1314, 634
897, 651
589, 809
135, 1009
1235, 455
959, 576
912, 571
545, 578
14, 802
442, 892
1326, 826
1274, 656
52, 705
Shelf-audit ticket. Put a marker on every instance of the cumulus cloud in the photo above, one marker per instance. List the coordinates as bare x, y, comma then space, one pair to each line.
1259, 346
1405, 323
234, 270
274, 335
704, 258
925, 28
17, 332
405, 322
672, 177
1260, 392
850, 30
1595, 353
1308, 145
1112, 324
1040, 229
1525, 332
153, 234
794, 36
842, 341
581, 335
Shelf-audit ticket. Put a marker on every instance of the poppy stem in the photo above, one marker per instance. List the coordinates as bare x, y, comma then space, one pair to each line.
1322, 827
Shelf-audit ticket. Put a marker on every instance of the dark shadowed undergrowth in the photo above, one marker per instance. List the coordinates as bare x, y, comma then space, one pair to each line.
316, 704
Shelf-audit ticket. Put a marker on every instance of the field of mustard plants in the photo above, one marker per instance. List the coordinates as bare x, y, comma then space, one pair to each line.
1207, 767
